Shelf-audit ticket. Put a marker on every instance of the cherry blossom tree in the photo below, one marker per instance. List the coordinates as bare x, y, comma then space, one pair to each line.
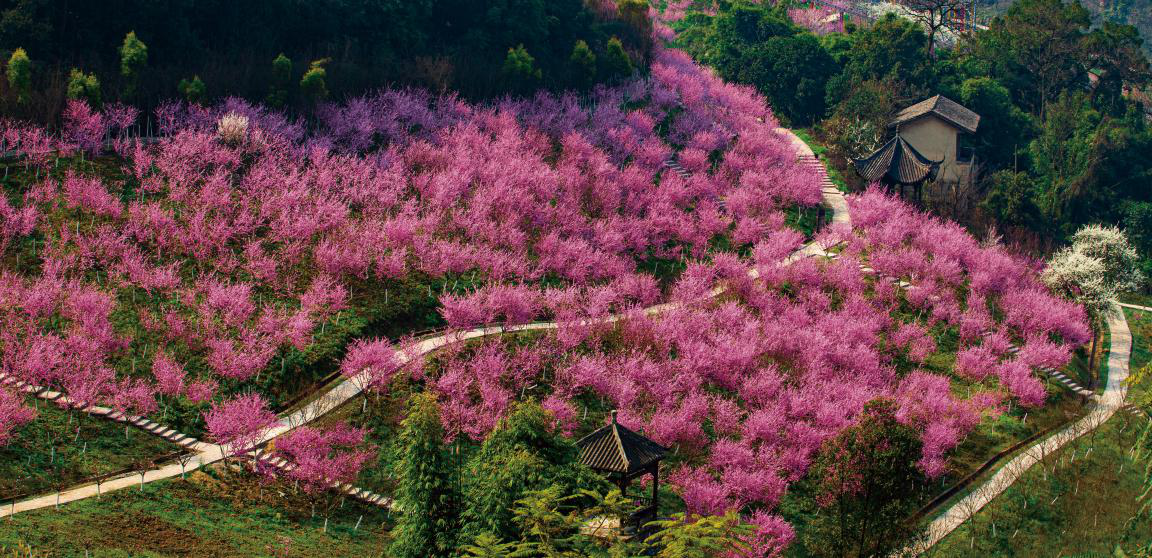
238, 424
13, 414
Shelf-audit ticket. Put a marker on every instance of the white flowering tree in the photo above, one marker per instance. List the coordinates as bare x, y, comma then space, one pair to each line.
1110, 245
1098, 265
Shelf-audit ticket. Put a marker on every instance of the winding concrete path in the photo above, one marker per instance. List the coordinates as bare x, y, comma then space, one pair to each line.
1103, 407
204, 453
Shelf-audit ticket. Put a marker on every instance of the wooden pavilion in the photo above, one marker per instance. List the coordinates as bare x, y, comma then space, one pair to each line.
898, 164
624, 455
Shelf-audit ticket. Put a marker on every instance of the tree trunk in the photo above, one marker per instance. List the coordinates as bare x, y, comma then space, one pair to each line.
1092, 357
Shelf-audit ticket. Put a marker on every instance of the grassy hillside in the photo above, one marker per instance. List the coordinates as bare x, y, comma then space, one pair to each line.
218, 513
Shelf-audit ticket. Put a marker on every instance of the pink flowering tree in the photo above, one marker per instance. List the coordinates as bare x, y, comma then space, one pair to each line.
322, 459
13, 414
239, 424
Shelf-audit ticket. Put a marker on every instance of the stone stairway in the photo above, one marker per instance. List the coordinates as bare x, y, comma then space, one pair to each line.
62, 400
360, 494
674, 164
813, 163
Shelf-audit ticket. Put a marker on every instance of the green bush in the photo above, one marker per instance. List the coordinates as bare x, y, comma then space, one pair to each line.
84, 86
193, 90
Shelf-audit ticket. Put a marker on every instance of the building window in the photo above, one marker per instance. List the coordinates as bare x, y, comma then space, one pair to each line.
964, 149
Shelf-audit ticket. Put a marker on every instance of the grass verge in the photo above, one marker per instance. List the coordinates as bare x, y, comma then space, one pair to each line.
60, 447
1079, 501
215, 513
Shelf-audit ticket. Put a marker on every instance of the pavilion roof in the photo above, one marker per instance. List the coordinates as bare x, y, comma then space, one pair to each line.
617, 449
896, 162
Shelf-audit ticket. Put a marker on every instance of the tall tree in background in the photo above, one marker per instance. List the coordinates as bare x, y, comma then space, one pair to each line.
583, 65
1037, 50
1115, 54
1004, 129
281, 81
864, 478
314, 84
520, 70
616, 63
193, 90
19, 73
426, 492
935, 15
133, 59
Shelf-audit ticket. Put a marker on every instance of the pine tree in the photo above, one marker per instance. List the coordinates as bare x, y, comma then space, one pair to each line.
314, 83
523, 454
20, 75
520, 69
426, 493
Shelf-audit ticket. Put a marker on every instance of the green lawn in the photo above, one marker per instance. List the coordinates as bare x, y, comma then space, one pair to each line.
1094, 497
1140, 323
217, 513
50, 451
1080, 503
1139, 299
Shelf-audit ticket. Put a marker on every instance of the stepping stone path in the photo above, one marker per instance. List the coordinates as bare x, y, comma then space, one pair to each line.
1135, 411
813, 163
674, 165
1068, 382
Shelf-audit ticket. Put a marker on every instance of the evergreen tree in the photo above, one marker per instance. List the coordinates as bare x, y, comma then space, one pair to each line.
1004, 129
84, 86
520, 69
864, 480
700, 537
522, 455
488, 545
314, 83
616, 64
20, 75
583, 65
193, 90
426, 493
133, 58
281, 81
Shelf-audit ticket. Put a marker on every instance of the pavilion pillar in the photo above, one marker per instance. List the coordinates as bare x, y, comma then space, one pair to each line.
656, 490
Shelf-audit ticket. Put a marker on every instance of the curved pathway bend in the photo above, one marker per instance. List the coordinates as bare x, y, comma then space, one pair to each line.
1103, 407
204, 453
